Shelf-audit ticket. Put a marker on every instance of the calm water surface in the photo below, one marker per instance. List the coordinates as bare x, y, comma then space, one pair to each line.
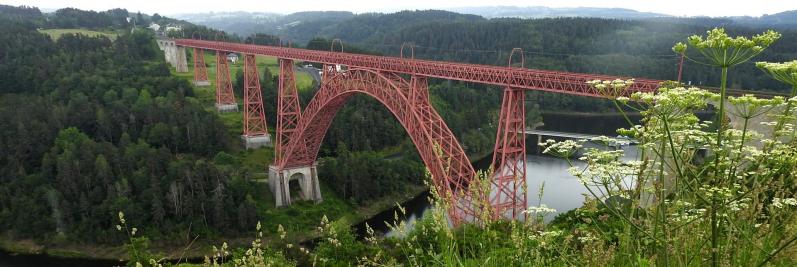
562, 191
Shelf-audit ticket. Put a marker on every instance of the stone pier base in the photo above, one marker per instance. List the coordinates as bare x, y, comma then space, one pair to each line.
180, 58
222, 108
202, 83
255, 141
279, 180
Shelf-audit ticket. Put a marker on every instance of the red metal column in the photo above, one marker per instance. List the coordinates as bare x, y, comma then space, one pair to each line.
681, 67
254, 117
288, 110
509, 158
508, 196
225, 98
200, 71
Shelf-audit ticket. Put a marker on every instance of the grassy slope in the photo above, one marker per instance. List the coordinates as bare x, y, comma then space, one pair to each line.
56, 33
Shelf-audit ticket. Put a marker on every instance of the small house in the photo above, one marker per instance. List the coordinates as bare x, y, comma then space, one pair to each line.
154, 27
232, 57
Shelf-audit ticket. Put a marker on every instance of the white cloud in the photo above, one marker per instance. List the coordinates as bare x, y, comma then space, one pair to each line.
671, 7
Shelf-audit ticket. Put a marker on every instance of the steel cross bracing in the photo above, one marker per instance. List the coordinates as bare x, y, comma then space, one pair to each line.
254, 116
288, 110
224, 93
200, 70
509, 157
520, 78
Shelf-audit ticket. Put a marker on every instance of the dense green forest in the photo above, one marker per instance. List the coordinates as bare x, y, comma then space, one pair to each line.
99, 126
92, 127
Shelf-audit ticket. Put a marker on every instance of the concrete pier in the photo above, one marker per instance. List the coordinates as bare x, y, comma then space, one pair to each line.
182, 62
307, 176
169, 51
223, 108
255, 141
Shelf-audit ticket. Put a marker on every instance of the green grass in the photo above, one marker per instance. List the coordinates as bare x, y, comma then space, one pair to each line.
57, 33
303, 80
207, 94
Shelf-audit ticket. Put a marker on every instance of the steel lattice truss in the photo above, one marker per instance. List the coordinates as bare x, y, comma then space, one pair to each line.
409, 103
254, 117
224, 93
200, 70
509, 157
299, 134
288, 111
521, 78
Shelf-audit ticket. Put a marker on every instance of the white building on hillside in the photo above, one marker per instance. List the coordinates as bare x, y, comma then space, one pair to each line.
232, 57
173, 28
154, 27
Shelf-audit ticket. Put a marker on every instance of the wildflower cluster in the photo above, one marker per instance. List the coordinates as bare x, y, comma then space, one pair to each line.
721, 50
137, 246
542, 209
564, 149
783, 202
257, 255
784, 72
615, 89
748, 106
604, 170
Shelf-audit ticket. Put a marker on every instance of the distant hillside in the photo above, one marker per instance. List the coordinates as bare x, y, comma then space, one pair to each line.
245, 23
550, 12
787, 19
112, 20
303, 26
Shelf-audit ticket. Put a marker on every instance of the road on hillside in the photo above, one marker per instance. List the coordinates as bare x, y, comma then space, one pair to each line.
313, 72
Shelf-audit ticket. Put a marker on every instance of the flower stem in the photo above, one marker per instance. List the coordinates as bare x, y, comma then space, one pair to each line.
786, 111
717, 172
620, 109
721, 114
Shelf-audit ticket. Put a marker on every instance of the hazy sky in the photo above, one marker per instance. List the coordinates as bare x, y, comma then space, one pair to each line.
166, 7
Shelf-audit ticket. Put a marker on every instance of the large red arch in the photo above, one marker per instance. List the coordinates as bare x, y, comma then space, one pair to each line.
409, 102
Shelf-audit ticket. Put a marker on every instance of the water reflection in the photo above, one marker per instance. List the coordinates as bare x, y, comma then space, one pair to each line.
562, 191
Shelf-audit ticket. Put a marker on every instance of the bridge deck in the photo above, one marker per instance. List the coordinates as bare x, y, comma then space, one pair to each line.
579, 136
560, 134
521, 78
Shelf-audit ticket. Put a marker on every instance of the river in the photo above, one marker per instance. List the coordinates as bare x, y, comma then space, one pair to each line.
34, 260
562, 191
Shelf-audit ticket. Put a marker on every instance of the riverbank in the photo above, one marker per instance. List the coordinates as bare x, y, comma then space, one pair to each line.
104, 254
